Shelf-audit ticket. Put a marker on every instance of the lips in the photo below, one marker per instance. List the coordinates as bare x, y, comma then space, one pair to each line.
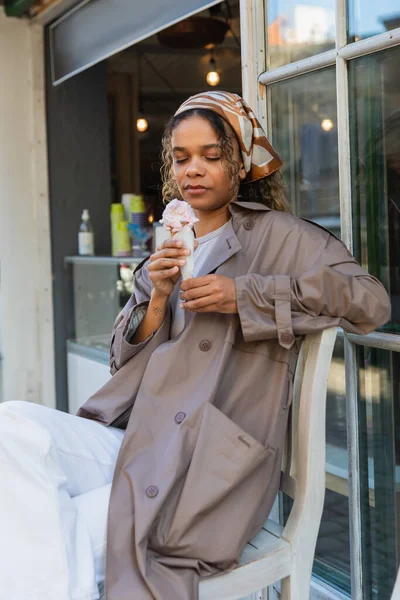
197, 190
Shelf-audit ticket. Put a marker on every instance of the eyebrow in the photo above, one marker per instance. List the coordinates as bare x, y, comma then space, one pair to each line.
205, 147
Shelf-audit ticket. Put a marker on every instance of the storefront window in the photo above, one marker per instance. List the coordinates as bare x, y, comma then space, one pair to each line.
332, 555
298, 29
370, 17
378, 394
363, 410
305, 134
375, 139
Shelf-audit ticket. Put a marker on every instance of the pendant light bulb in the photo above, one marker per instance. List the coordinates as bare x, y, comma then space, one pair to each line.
212, 77
142, 125
327, 124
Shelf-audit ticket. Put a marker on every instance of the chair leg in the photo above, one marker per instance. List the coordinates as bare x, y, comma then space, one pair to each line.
297, 585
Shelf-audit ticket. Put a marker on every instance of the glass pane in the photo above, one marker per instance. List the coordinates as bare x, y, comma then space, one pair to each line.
378, 396
374, 86
298, 29
370, 17
304, 132
97, 293
332, 556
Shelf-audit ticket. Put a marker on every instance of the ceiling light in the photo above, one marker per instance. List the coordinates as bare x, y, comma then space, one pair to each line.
327, 124
142, 124
212, 77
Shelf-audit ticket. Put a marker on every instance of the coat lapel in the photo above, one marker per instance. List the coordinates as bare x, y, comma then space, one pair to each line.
226, 246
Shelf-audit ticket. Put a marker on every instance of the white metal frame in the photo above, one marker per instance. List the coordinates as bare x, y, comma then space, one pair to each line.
254, 37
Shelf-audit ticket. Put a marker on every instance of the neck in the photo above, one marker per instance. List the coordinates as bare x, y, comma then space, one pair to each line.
210, 221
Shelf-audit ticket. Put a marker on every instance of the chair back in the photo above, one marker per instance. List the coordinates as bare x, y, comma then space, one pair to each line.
303, 471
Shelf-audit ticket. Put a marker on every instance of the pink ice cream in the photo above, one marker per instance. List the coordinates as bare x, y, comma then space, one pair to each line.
176, 215
179, 218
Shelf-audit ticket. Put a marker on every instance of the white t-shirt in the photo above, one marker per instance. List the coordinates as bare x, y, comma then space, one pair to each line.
205, 248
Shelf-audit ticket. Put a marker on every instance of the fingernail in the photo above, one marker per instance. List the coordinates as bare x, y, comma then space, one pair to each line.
181, 306
182, 262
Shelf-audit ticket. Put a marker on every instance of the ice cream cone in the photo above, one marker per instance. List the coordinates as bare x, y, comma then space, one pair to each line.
187, 236
179, 218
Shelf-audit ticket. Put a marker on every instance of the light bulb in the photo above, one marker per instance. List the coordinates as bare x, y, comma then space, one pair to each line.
142, 125
326, 124
212, 78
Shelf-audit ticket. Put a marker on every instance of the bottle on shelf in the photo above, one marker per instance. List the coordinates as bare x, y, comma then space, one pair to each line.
117, 215
139, 225
123, 243
86, 235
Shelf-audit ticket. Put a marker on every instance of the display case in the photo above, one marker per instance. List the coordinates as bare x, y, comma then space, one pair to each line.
98, 288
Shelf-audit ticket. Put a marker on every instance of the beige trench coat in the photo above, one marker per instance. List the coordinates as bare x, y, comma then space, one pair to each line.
199, 466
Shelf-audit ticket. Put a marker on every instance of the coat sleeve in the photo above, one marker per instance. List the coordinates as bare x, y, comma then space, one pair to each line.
335, 290
128, 321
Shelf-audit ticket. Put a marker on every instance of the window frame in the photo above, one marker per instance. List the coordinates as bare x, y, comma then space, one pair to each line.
257, 79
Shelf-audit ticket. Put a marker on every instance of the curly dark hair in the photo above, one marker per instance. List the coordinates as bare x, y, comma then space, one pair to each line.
269, 191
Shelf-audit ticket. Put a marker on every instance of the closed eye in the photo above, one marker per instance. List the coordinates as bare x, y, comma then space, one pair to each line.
213, 158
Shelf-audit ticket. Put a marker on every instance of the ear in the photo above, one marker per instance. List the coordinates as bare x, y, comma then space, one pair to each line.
242, 172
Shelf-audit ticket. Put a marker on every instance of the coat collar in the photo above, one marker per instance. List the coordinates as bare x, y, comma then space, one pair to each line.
227, 245
236, 206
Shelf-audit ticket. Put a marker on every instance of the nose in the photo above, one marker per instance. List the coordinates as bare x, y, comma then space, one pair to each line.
194, 169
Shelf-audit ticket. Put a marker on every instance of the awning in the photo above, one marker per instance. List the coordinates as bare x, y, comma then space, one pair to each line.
96, 29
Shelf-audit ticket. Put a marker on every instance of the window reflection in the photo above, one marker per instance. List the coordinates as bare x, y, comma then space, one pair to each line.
332, 556
304, 131
379, 386
98, 293
375, 161
298, 29
371, 17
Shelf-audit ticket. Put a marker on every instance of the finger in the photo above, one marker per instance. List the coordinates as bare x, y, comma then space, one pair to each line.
199, 303
165, 274
196, 282
171, 243
165, 263
194, 293
175, 278
170, 253
206, 309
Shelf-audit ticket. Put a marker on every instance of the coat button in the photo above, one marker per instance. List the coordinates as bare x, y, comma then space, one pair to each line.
151, 491
248, 224
205, 346
287, 338
179, 417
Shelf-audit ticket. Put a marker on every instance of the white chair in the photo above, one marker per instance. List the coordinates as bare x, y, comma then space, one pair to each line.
287, 553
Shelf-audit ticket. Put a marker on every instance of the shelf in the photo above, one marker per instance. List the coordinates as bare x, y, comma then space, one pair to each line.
104, 260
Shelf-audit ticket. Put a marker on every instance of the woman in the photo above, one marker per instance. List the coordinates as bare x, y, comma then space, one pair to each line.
201, 386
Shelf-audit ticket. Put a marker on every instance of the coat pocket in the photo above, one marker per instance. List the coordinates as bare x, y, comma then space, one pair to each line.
224, 455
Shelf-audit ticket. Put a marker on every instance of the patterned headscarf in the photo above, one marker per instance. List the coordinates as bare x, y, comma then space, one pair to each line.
259, 157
